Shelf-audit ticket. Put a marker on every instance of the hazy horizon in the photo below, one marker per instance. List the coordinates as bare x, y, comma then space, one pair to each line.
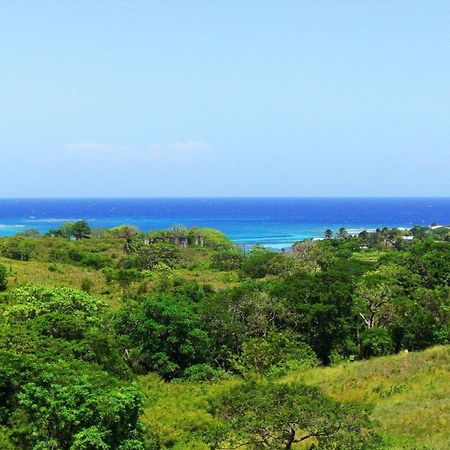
243, 197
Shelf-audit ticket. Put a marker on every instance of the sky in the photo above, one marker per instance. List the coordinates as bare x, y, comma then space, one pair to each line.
224, 98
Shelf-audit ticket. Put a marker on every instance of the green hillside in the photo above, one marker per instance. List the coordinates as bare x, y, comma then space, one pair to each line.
177, 339
409, 392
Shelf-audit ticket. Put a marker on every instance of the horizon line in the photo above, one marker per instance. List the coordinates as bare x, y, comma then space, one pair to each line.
249, 197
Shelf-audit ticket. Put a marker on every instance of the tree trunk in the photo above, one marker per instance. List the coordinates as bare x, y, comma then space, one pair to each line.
291, 438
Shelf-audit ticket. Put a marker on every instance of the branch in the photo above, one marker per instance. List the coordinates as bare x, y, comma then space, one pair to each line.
303, 438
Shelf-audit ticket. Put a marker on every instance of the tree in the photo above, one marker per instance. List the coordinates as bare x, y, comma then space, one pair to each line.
259, 261
55, 323
71, 406
32, 301
162, 333
232, 316
314, 256
376, 342
60, 375
32, 232
128, 233
328, 233
342, 233
364, 236
423, 319
419, 232
178, 230
227, 258
72, 230
3, 279
320, 310
275, 416
374, 296
81, 230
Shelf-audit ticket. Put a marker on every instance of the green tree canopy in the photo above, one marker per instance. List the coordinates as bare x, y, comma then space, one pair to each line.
73, 230
261, 415
162, 333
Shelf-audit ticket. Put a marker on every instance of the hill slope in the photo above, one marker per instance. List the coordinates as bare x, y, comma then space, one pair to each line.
410, 393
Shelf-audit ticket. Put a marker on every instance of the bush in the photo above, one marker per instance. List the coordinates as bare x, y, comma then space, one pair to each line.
34, 301
275, 355
261, 261
149, 256
18, 248
227, 259
86, 285
376, 342
59, 323
202, 372
123, 276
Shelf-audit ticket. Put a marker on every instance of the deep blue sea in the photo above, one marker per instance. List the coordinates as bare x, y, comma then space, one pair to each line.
275, 222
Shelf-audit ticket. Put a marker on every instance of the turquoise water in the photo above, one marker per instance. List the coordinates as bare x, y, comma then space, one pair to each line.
276, 222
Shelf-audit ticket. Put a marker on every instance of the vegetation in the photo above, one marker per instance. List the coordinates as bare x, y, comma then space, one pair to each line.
120, 339
3, 280
274, 415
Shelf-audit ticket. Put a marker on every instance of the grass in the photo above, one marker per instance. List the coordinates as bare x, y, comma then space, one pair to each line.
58, 274
410, 395
174, 412
214, 278
51, 274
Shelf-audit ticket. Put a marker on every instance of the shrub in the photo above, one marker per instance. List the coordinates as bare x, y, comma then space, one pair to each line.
376, 342
149, 256
18, 248
227, 258
86, 285
258, 262
202, 372
274, 355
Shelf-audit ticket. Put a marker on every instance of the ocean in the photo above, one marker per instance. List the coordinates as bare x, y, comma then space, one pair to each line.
274, 222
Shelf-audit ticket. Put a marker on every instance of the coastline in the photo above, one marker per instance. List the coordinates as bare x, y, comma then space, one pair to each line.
274, 222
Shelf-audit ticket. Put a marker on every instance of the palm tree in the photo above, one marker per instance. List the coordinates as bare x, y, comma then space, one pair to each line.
342, 233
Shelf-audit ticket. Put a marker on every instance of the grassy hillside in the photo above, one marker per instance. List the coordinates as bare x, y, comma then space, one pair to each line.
410, 394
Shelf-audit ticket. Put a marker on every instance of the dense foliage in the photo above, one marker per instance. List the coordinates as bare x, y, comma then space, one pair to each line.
269, 415
87, 313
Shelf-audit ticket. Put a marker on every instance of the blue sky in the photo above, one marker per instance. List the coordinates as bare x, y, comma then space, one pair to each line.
224, 98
